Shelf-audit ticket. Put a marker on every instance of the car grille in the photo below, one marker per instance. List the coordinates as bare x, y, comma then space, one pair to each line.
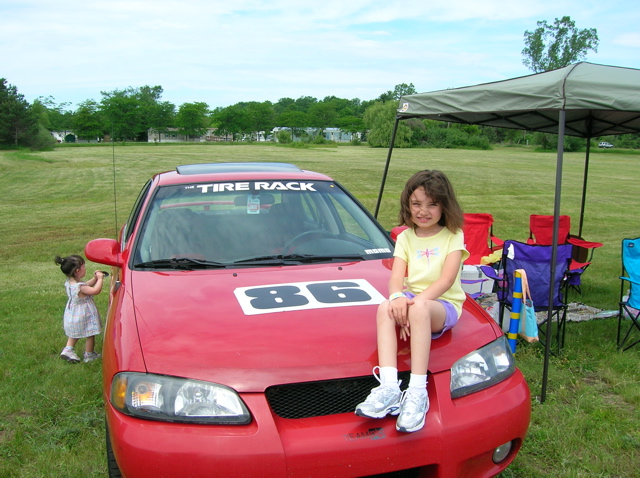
316, 399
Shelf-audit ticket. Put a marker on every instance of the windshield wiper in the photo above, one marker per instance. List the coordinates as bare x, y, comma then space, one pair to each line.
310, 258
272, 259
282, 259
183, 263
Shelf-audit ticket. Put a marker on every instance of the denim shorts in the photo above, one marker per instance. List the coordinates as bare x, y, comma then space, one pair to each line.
450, 319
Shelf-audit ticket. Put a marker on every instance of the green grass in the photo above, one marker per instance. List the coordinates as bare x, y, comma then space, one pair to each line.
54, 202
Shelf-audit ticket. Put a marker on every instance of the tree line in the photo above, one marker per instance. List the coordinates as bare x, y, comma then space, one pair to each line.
128, 115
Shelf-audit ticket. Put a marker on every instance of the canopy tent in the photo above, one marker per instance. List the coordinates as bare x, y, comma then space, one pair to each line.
584, 100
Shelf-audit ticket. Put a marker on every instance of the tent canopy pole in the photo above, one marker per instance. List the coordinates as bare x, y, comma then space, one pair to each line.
386, 166
584, 186
554, 251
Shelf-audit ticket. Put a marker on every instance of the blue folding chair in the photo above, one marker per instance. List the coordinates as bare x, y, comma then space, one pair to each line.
629, 299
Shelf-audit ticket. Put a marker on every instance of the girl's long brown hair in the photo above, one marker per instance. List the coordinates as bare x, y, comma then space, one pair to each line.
437, 186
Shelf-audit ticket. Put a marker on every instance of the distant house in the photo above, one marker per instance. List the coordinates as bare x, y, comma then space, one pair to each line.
172, 135
330, 134
337, 135
71, 137
64, 136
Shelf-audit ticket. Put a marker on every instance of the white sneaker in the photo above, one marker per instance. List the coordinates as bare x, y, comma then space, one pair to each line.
91, 356
413, 411
69, 355
382, 401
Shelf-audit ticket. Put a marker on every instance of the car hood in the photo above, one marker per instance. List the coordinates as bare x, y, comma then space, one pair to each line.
226, 326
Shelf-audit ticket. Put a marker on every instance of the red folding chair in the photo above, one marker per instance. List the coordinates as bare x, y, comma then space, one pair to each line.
478, 237
541, 233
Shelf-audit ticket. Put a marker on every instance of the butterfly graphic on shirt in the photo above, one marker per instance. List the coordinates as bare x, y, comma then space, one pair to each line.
428, 253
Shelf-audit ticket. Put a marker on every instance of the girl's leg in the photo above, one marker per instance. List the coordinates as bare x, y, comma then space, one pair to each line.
68, 353
385, 399
425, 318
71, 342
90, 344
387, 337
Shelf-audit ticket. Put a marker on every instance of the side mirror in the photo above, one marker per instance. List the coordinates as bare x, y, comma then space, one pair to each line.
104, 251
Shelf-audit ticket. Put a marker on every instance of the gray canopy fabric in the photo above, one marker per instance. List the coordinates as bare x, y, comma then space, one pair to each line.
598, 100
584, 100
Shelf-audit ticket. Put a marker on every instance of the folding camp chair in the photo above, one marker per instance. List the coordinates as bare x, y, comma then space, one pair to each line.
536, 261
481, 243
629, 299
478, 237
541, 232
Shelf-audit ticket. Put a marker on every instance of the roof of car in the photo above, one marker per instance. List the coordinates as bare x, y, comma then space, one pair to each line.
213, 168
237, 171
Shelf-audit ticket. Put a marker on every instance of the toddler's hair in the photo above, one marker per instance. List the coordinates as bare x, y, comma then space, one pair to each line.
437, 186
70, 264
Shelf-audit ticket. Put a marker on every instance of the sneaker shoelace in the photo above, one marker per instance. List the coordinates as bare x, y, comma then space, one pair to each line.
381, 392
412, 402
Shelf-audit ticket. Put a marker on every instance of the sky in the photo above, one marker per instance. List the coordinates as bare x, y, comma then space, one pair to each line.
225, 52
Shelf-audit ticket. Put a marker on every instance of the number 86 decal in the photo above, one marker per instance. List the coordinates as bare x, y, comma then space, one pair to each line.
306, 295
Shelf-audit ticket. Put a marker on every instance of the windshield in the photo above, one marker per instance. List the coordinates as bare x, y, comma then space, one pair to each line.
269, 222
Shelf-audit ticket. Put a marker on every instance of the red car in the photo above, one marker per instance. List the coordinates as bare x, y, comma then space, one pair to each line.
241, 336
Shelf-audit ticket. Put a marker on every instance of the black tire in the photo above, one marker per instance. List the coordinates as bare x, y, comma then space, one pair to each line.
112, 465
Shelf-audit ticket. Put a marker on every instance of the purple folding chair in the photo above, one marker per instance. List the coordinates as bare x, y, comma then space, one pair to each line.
536, 261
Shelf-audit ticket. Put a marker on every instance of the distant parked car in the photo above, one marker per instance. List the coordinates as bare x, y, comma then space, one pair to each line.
604, 144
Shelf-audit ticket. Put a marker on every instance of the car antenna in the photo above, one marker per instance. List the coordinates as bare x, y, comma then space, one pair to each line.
115, 196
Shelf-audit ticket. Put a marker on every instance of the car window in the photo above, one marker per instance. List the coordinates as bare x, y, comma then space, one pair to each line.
230, 223
135, 211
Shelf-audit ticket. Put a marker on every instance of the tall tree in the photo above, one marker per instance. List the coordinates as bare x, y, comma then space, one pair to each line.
155, 114
133, 111
54, 117
323, 115
260, 117
87, 121
351, 124
379, 119
18, 123
284, 104
297, 121
549, 47
232, 120
121, 112
193, 118
399, 90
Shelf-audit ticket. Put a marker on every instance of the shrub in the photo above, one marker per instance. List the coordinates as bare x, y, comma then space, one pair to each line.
42, 140
284, 137
319, 139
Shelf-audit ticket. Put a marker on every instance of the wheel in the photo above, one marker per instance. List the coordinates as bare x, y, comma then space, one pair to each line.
112, 465
305, 236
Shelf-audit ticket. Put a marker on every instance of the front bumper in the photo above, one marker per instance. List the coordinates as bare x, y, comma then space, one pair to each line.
458, 439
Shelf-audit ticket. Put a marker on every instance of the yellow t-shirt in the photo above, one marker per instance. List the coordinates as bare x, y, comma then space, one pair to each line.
425, 258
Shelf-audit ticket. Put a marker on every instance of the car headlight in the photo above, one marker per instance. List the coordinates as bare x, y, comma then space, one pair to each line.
482, 368
173, 399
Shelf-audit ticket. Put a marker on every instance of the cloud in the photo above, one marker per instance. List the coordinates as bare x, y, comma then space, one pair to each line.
631, 40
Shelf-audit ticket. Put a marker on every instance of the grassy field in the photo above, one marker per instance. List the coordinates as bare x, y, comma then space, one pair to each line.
53, 202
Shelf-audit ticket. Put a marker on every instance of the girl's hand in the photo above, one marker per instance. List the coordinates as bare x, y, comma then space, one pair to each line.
398, 311
404, 332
